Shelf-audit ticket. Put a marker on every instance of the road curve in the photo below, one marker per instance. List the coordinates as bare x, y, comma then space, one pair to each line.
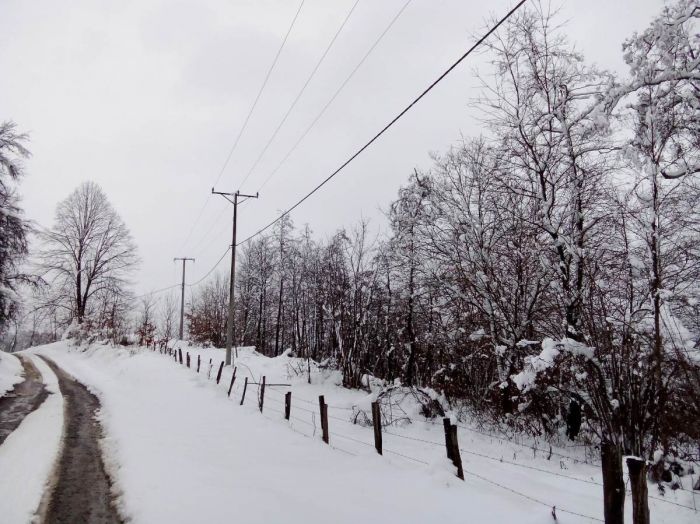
24, 398
81, 490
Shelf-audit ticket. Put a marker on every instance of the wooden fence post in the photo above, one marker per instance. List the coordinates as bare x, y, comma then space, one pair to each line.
452, 446
448, 436
218, 375
262, 394
199, 361
377, 423
245, 387
188, 359
233, 379
324, 418
287, 404
456, 457
179, 350
209, 370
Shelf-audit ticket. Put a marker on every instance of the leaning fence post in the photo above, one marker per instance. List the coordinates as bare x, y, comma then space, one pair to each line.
456, 457
233, 379
324, 418
199, 361
245, 386
262, 394
218, 375
287, 404
448, 436
377, 423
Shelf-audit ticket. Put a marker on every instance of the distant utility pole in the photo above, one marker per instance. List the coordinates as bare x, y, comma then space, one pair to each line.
182, 297
229, 324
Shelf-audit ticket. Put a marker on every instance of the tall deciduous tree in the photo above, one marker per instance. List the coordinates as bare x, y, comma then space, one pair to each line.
88, 254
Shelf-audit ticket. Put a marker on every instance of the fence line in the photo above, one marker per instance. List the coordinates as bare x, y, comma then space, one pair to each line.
417, 460
533, 499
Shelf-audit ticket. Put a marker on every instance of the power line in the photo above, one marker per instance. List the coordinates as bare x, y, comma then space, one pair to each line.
262, 88
390, 124
247, 119
301, 92
330, 101
212, 269
337, 92
205, 237
157, 291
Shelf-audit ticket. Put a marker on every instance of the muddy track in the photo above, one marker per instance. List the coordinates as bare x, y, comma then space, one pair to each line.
81, 491
24, 398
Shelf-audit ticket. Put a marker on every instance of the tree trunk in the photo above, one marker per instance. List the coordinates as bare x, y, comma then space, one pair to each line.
279, 319
410, 375
613, 484
260, 317
638, 480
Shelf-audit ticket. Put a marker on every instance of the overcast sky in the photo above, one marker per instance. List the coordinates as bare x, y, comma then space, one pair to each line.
146, 98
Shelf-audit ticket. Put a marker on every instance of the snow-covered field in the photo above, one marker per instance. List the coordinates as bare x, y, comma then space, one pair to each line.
10, 372
180, 450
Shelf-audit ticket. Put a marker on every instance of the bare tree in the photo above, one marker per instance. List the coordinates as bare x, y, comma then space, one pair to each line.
146, 329
88, 253
208, 312
168, 318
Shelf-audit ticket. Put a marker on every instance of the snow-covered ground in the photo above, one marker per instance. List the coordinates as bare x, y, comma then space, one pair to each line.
10, 372
180, 450
29, 453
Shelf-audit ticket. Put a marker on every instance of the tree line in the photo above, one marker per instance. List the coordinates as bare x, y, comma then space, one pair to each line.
544, 274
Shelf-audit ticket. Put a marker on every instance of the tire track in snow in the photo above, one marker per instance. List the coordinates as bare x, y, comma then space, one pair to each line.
24, 398
82, 490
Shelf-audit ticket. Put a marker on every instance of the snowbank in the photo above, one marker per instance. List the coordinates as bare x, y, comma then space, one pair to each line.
10, 372
28, 455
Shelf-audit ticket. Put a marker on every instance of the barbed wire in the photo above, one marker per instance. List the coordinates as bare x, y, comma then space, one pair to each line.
531, 498
342, 436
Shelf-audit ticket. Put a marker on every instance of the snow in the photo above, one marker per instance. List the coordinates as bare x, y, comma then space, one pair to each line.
551, 349
28, 455
179, 450
10, 372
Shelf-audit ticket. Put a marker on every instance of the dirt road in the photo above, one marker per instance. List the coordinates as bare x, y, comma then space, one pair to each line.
24, 398
81, 491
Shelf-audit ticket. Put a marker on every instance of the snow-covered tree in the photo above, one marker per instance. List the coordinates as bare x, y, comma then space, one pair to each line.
14, 228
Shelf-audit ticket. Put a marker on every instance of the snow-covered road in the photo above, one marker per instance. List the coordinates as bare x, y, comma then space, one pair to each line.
80, 488
178, 449
181, 451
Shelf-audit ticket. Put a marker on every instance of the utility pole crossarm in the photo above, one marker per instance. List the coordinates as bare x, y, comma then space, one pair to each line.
229, 325
182, 293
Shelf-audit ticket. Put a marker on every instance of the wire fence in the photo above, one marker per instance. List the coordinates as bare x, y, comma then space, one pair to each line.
274, 401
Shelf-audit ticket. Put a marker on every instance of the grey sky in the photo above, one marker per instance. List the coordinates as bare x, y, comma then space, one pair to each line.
146, 98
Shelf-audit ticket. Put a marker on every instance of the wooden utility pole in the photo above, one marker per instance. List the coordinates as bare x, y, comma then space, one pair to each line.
182, 293
229, 325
